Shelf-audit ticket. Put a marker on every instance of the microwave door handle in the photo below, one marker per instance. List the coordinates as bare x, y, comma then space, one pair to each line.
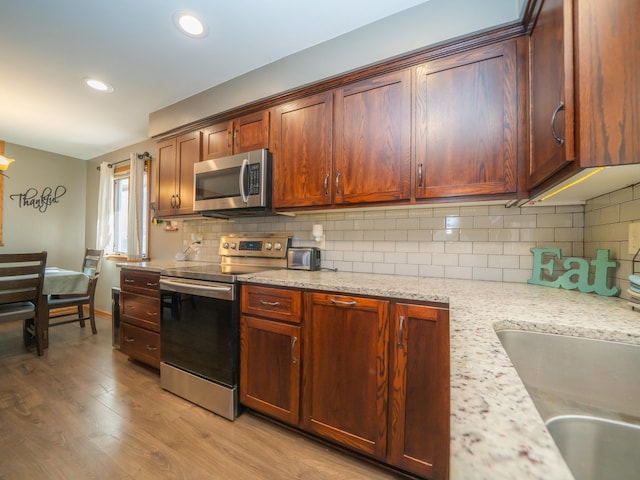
243, 168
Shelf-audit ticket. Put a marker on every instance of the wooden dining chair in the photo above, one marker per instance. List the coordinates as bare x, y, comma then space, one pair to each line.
21, 279
91, 268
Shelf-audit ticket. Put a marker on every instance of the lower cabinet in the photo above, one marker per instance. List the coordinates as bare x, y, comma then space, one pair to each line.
346, 370
367, 373
419, 404
140, 316
270, 346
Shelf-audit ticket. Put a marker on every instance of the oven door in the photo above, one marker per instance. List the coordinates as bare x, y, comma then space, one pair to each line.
200, 328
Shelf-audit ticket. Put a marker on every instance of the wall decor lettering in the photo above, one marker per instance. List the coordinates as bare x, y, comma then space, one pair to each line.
40, 201
577, 272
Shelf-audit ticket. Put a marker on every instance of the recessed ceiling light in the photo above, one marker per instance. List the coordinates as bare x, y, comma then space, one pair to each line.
98, 85
189, 24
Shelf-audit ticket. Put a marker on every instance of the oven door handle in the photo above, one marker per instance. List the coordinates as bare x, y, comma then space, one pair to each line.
188, 287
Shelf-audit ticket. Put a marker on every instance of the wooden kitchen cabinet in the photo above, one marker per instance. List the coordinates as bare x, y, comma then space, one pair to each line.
176, 157
243, 134
346, 370
348, 146
302, 152
419, 404
551, 106
270, 348
466, 123
140, 315
372, 133
584, 99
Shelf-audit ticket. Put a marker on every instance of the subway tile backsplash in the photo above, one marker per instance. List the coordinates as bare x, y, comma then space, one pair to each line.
476, 242
480, 242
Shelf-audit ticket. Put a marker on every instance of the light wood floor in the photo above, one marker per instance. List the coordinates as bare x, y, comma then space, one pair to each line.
83, 411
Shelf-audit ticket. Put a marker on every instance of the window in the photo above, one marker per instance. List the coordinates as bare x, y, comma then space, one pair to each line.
121, 211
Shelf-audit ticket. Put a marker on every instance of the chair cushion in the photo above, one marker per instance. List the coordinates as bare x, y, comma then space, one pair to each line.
17, 311
58, 302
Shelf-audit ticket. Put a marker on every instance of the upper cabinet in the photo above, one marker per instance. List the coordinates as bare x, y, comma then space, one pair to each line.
176, 157
551, 91
372, 148
302, 157
347, 146
243, 134
584, 105
466, 123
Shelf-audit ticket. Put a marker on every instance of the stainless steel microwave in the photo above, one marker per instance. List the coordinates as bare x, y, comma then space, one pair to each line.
234, 185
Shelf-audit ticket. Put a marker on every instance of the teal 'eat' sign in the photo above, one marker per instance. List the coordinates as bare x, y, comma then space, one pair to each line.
576, 274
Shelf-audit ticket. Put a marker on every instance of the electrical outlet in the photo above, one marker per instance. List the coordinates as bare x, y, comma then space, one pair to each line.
634, 238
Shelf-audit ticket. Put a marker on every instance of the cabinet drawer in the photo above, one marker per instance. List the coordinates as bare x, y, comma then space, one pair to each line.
146, 283
140, 310
140, 344
277, 303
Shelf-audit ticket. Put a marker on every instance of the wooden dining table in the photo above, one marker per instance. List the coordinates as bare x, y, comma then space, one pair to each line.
58, 281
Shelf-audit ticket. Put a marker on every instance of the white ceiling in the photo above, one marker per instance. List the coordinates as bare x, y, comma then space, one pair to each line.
47, 48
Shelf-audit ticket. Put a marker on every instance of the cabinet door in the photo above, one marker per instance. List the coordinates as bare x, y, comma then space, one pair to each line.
346, 370
270, 368
551, 103
166, 185
372, 134
466, 123
217, 141
251, 132
608, 73
301, 146
188, 153
419, 418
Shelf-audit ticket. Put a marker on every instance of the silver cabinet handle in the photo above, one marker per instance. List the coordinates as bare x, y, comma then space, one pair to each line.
401, 333
178, 201
235, 136
129, 339
342, 302
128, 280
173, 201
420, 175
228, 138
152, 347
559, 139
338, 183
271, 304
149, 284
293, 350
152, 314
325, 184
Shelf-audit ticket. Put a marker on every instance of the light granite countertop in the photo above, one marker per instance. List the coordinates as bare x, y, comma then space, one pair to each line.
496, 431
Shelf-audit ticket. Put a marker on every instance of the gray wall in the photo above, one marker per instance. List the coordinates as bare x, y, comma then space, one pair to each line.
60, 228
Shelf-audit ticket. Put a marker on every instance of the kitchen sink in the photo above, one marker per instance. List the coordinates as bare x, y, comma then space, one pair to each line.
595, 448
588, 393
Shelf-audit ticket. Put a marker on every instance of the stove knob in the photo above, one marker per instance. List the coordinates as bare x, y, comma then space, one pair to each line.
278, 246
233, 245
269, 246
225, 245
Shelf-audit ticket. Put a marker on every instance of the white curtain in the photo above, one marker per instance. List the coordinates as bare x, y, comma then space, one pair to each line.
104, 237
136, 204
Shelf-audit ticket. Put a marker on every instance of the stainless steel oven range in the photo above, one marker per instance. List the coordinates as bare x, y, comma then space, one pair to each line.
200, 320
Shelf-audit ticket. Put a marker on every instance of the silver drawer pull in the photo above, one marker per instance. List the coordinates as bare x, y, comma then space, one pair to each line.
270, 304
152, 284
152, 314
129, 339
152, 347
341, 302
128, 280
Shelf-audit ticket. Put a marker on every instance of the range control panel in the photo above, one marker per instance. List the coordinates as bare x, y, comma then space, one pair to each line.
255, 245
